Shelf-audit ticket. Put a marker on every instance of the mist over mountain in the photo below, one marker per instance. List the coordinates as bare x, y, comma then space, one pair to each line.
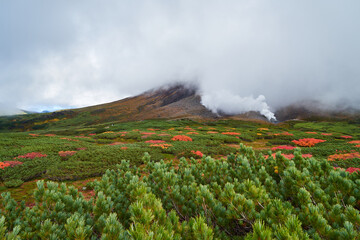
243, 55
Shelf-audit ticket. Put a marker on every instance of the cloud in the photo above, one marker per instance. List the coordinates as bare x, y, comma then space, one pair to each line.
83, 53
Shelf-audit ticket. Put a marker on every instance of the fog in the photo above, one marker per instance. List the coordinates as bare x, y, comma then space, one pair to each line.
245, 55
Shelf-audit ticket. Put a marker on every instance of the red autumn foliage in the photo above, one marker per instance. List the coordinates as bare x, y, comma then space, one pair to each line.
192, 133
326, 134
343, 156
182, 138
33, 134
352, 169
346, 137
198, 153
355, 142
231, 133
311, 132
154, 141
161, 145
4, 165
66, 153
307, 142
285, 147
349, 170
212, 132
147, 133
92, 134
12, 163
32, 155
124, 148
50, 135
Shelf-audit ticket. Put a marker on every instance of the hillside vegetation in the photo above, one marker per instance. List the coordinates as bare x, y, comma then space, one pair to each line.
299, 180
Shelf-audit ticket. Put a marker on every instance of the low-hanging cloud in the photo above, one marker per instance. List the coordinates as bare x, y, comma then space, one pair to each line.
75, 54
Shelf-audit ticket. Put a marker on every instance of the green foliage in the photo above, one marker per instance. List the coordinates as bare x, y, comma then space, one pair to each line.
13, 183
234, 198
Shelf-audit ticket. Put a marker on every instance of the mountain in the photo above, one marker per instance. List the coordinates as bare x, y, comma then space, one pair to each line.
170, 102
176, 101
314, 110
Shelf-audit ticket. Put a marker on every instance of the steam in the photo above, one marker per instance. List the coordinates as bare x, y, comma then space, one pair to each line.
229, 103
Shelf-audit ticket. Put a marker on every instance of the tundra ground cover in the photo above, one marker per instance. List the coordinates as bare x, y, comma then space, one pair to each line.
243, 196
76, 153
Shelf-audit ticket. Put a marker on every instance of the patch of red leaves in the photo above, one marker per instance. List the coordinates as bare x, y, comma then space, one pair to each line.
326, 134
182, 138
50, 135
192, 133
311, 132
32, 155
198, 153
343, 156
355, 142
307, 142
154, 141
346, 137
231, 133
12, 163
349, 170
148, 133
66, 153
161, 145
285, 147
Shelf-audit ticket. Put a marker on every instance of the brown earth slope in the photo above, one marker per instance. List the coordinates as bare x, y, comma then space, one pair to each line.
177, 101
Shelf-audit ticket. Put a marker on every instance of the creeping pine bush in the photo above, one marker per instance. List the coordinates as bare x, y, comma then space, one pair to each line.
242, 197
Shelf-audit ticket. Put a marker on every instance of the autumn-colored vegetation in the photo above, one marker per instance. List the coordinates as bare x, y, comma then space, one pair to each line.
308, 142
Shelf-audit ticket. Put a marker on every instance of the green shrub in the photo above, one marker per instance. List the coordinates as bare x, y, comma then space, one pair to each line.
13, 183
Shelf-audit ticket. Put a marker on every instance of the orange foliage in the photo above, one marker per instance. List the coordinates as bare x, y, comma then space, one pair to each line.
4, 165
307, 142
343, 156
32, 155
161, 145
198, 153
66, 153
231, 133
181, 138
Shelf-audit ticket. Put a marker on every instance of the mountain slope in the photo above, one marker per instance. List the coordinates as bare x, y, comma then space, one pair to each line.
177, 101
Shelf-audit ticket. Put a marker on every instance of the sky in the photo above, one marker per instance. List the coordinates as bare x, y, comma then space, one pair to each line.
244, 54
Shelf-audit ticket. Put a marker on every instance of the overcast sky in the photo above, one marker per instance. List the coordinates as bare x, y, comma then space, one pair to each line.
245, 54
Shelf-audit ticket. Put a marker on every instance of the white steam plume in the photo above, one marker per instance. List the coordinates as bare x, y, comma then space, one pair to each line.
233, 104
